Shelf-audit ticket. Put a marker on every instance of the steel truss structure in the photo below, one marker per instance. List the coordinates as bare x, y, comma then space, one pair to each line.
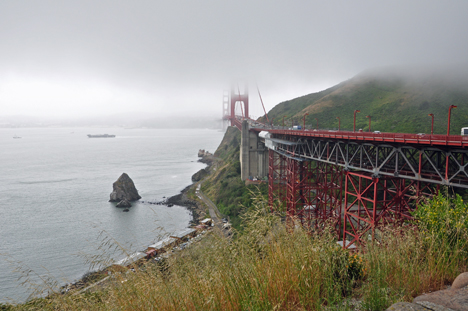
422, 163
277, 180
307, 192
371, 202
382, 183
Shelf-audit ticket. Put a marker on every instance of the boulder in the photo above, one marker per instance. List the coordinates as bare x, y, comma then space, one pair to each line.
454, 298
461, 281
406, 306
124, 189
124, 203
450, 299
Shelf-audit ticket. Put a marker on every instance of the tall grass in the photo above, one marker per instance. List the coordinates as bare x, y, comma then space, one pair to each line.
270, 266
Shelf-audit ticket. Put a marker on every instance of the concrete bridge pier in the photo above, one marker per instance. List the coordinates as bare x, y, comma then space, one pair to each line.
253, 154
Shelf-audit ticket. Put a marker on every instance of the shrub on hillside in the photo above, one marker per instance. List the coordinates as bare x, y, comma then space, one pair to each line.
444, 218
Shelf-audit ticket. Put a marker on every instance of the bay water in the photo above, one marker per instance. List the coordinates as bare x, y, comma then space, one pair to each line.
54, 190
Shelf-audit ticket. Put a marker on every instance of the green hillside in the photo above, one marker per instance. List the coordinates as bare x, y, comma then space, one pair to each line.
398, 100
225, 187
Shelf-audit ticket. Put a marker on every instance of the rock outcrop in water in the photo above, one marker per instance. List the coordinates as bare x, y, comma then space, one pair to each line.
206, 156
124, 189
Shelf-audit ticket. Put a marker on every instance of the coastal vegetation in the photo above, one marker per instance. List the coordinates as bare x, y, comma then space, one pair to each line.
273, 266
225, 187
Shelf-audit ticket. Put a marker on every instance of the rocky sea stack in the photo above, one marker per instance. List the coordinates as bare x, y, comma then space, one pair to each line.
205, 156
124, 189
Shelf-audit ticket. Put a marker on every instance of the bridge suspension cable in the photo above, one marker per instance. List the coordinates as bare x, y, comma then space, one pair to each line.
261, 100
240, 100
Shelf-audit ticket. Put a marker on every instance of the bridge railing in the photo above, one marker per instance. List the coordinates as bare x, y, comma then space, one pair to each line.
404, 138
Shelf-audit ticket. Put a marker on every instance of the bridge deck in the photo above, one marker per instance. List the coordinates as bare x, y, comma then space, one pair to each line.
399, 138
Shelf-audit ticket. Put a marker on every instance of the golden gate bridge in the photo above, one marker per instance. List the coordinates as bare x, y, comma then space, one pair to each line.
357, 181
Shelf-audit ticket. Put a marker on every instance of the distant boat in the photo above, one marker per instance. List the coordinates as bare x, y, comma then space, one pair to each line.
16, 136
101, 136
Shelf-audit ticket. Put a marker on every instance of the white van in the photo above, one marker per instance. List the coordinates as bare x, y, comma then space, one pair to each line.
464, 131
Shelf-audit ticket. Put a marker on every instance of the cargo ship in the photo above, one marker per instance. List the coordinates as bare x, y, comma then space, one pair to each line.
101, 136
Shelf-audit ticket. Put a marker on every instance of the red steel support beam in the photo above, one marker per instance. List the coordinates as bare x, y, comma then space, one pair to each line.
374, 202
276, 181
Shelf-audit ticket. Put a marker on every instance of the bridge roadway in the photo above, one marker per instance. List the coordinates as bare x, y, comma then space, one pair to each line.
399, 138
394, 138
438, 159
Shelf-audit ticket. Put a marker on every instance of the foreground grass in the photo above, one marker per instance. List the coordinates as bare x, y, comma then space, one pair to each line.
272, 267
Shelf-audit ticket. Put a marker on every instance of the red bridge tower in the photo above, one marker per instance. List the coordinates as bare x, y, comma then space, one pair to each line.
243, 100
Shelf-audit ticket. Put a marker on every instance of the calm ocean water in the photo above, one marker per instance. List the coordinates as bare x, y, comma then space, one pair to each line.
54, 191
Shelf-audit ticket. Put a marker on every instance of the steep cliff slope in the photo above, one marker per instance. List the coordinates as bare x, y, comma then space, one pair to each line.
225, 187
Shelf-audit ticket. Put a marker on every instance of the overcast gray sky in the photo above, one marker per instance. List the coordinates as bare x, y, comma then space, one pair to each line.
83, 58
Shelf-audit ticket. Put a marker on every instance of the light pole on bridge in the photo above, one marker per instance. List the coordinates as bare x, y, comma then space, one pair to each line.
448, 125
304, 121
338, 123
354, 123
317, 123
283, 120
432, 123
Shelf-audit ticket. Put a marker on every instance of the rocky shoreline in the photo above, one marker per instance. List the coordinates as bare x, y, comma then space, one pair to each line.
182, 199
